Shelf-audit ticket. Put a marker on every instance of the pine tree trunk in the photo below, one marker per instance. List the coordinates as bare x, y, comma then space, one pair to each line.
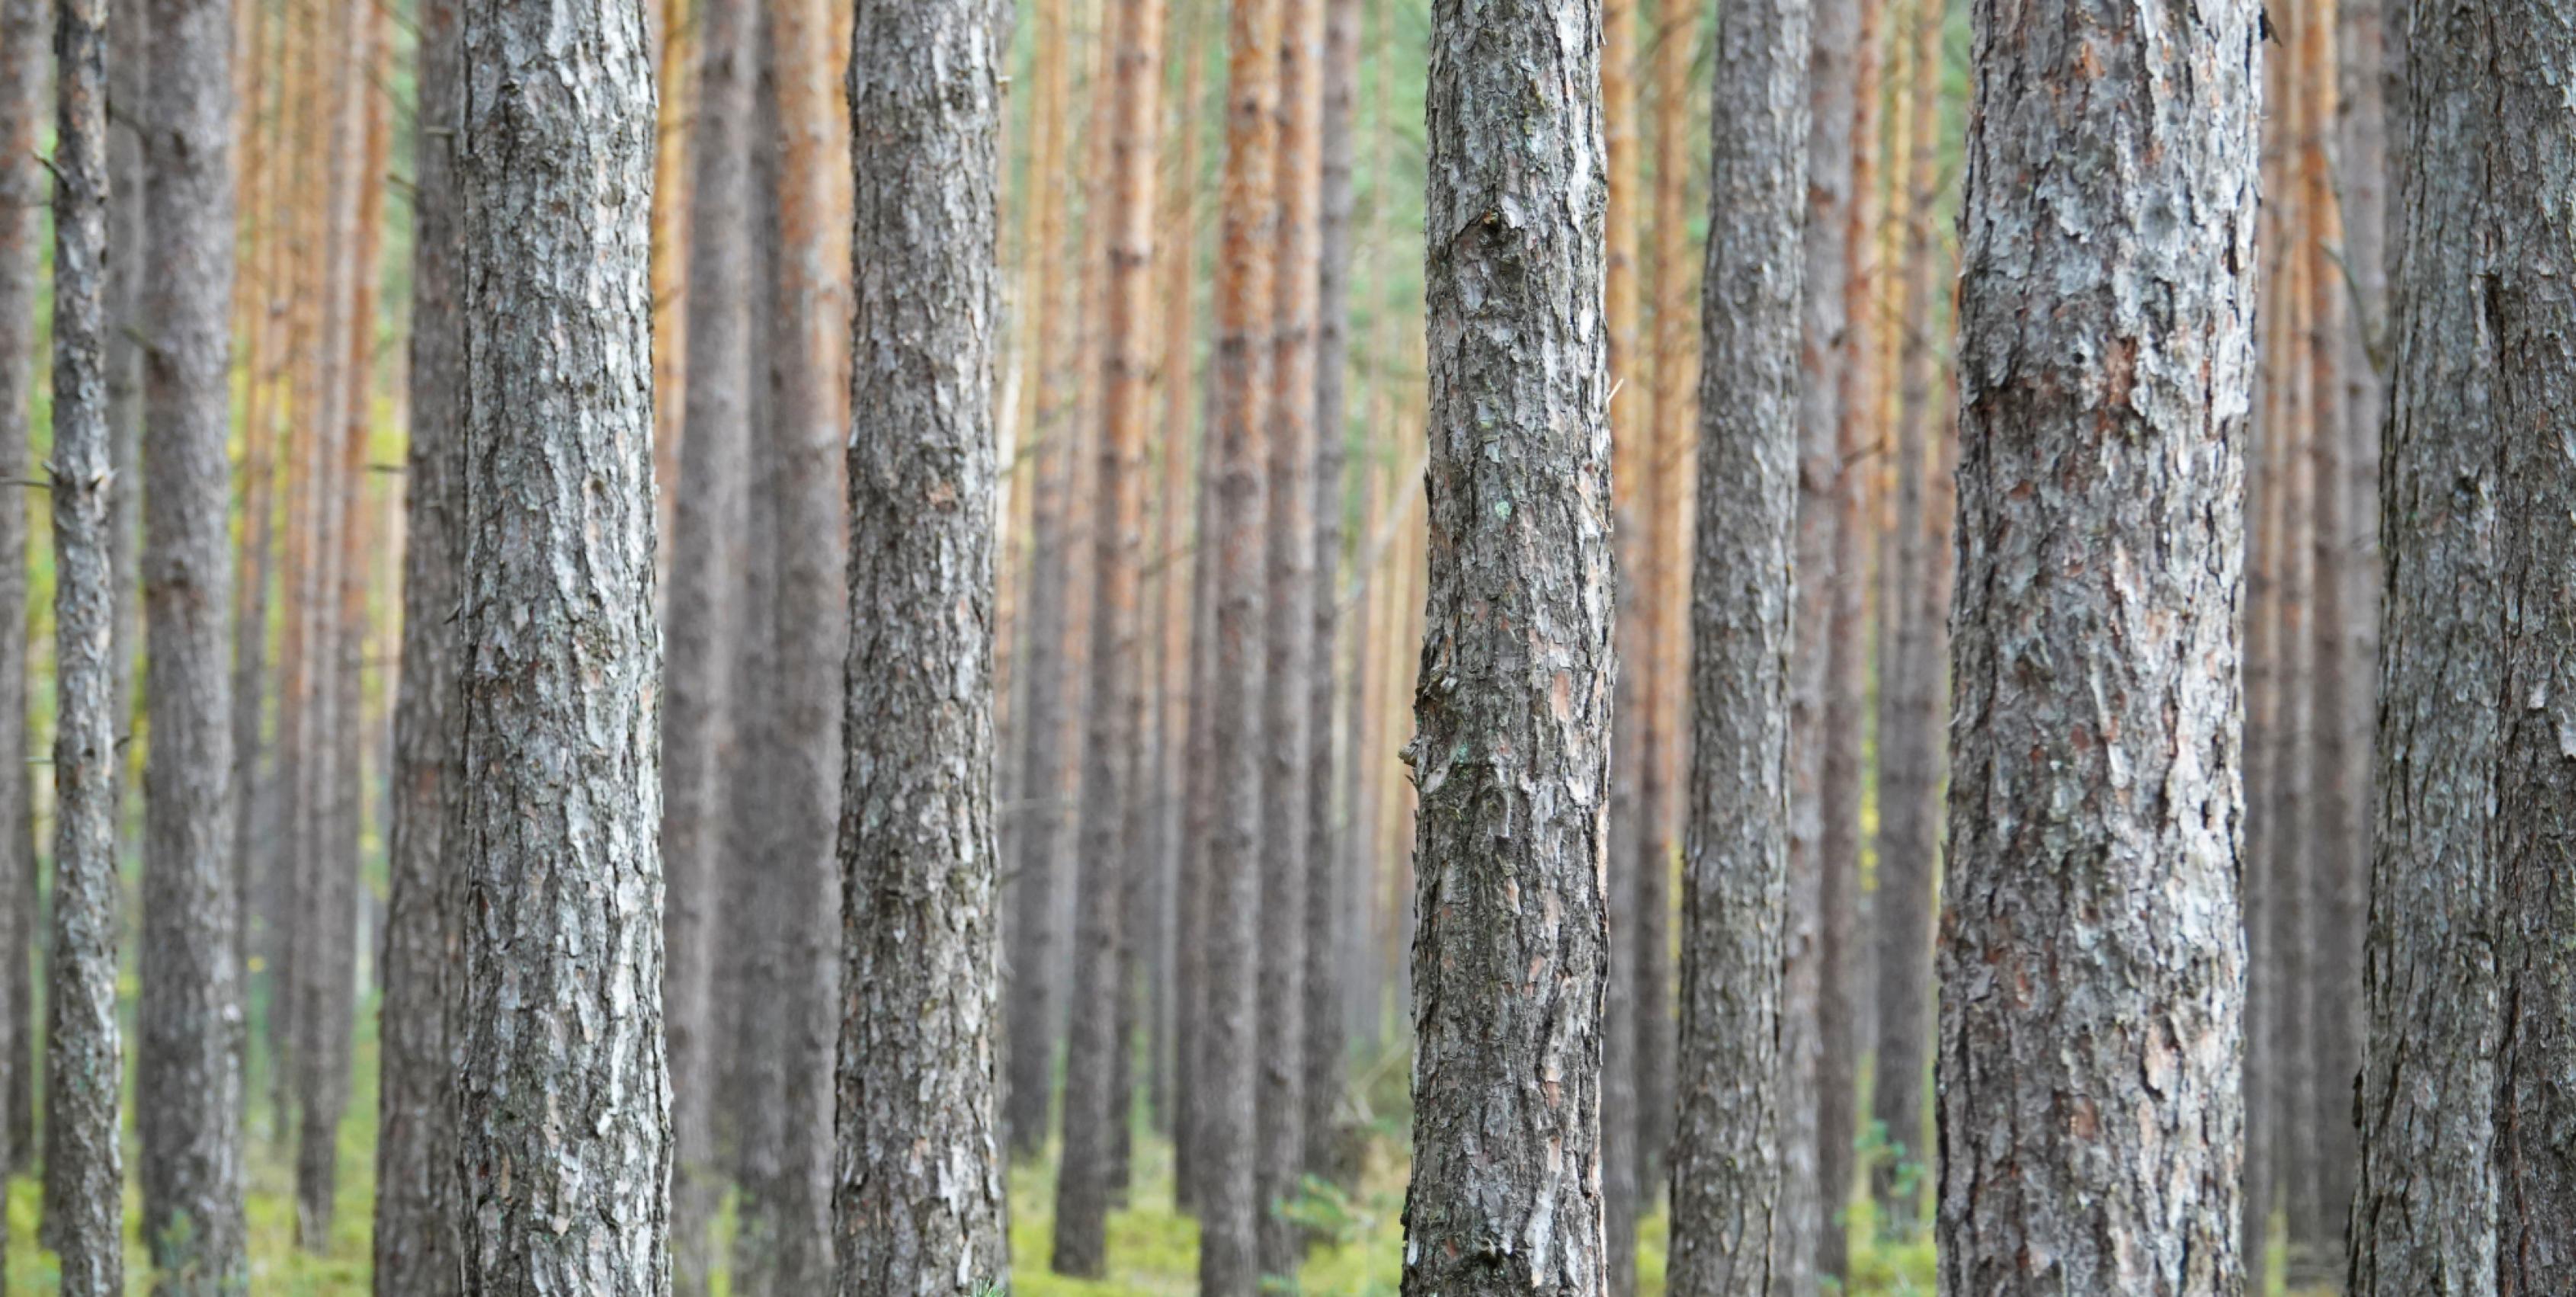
1512, 747
919, 1206
1910, 728
1114, 737
1832, 37
84, 1214
417, 1221
2091, 962
26, 47
1034, 823
1247, 221
129, 76
1286, 730
1623, 1182
188, 1096
2466, 1186
1326, 978
1726, 1155
1661, 586
701, 609
565, 1147
808, 496
681, 26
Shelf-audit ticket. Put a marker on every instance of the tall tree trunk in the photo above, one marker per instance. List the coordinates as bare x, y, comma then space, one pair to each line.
1114, 733
188, 1084
2262, 659
1327, 953
1286, 716
2464, 1186
1910, 728
26, 46
1035, 823
260, 316
919, 1204
1726, 1155
1832, 38
565, 1145
1624, 1188
1857, 454
2091, 960
1661, 587
417, 1217
84, 1176
1228, 1207
2342, 904
808, 619
701, 610
680, 29
1512, 746
129, 78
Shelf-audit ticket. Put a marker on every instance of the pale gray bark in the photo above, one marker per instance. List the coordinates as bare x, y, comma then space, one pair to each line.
2092, 958
918, 1208
188, 1088
1726, 1154
705, 575
2467, 1183
129, 80
26, 50
1512, 745
417, 1242
565, 1131
84, 1055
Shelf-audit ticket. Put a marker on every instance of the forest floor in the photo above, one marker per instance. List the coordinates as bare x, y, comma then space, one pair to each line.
1153, 1249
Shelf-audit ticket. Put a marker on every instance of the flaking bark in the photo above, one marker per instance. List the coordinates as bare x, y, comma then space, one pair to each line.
2091, 959
565, 1133
1512, 746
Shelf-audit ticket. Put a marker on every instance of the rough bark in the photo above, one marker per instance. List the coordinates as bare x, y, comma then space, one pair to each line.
1726, 1147
416, 1222
26, 46
2466, 1183
1114, 724
701, 606
565, 1134
1328, 945
1831, 39
1512, 748
1228, 1209
1910, 715
84, 1056
2091, 1035
188, 1084
1287, 732
918, 1206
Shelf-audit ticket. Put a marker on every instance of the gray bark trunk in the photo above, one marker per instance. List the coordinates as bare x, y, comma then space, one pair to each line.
1726, 1155
188, 1095
1096, 1104
565, 1136
1832, 36
918, 1208
1228, 1208
2092, 956
1286, 711
417, 1244
2466, 1182
129, 77
1331, 943
1512, 748
706, 578
84, 1057
26, 48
